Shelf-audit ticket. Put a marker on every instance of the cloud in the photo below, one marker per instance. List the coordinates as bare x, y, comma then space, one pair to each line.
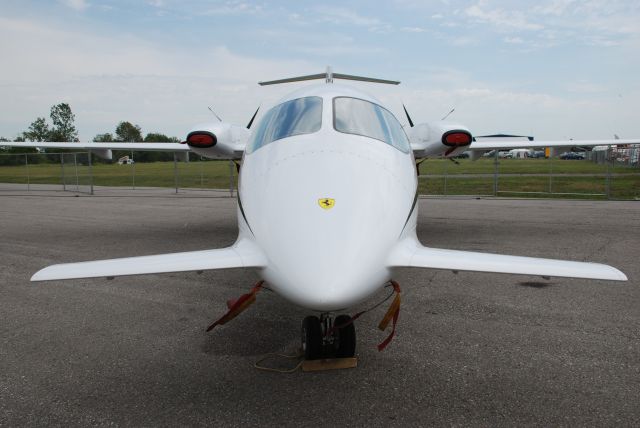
346, 17
500, 18
513, 40
78, 5
413, 29
157, 75
463, 41
584, 86
554, 7
233, 8
146, 83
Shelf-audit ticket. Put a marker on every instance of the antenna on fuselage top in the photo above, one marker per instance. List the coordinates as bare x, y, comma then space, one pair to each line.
328, 77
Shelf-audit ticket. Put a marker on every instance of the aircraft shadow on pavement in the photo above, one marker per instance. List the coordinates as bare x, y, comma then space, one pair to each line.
269, 325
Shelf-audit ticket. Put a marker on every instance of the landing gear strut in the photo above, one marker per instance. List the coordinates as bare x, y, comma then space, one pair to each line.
325, 337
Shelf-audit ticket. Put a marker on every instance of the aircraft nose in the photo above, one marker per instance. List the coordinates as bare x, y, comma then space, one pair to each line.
327, 223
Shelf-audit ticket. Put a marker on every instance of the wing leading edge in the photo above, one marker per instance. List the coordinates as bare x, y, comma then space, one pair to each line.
506, 143
160, 147
410, 253
241, 254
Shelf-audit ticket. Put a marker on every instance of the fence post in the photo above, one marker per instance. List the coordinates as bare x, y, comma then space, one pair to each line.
90, 172
175, 171
75, 164
26, 164
133, 172
64, 182
495, 173
607, 185
550, 171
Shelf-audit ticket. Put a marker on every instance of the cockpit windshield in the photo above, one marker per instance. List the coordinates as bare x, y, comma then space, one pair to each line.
295, 117
360, 117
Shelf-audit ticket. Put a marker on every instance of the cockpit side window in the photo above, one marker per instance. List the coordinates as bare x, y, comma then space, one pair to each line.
360, 117
294, 117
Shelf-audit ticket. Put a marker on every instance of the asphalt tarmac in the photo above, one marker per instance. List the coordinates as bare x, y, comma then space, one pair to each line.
470, 350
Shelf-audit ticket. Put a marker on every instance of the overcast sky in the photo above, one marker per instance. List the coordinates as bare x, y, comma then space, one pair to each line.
551, 69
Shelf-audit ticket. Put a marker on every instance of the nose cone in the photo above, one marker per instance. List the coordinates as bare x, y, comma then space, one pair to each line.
326, 220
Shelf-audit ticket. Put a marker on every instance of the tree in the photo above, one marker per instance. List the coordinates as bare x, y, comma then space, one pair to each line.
63, 126
126, 131
154, 137
38, 130
16, 160
63, 129
103, 138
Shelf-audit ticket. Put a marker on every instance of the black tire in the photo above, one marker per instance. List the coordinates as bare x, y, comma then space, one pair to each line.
345, 337
311, 338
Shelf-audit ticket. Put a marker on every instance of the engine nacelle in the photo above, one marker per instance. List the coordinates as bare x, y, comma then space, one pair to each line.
439, 138
218, 140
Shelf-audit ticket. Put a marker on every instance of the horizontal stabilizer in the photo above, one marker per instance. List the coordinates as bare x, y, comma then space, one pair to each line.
242, 254
293, 79
409, 253
328, 76
364, 79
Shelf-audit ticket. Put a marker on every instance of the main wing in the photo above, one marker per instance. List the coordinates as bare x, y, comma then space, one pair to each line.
514, 143
410, 253
220, 140
241, 254
164, 147
103, 150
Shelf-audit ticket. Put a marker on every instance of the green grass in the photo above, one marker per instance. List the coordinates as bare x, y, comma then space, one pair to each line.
621, 187
205, 174
517, 166
625, 184
215, 175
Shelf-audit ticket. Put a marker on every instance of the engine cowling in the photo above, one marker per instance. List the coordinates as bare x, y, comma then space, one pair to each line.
218, 140
440, 138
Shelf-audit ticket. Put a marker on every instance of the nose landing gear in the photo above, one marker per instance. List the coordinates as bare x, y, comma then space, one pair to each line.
325, 337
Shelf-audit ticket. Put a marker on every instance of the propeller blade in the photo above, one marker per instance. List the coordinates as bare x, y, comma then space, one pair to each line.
252, 118
408, 117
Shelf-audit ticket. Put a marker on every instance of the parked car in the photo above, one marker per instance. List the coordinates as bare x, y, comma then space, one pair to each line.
572, 156
538, 154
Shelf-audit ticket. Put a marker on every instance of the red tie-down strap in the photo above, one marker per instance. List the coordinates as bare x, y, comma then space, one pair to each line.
391, 315
236, 306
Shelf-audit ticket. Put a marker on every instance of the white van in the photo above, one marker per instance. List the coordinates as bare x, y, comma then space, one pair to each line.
520, 153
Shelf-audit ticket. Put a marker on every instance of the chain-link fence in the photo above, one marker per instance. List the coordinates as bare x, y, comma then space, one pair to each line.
85, 173
599, 174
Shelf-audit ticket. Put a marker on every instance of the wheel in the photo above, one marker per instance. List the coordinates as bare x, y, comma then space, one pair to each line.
345, 337
311, 338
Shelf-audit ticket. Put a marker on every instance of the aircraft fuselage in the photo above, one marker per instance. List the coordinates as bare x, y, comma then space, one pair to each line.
326, 257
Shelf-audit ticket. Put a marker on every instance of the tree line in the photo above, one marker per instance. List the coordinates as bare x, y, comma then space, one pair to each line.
62, 129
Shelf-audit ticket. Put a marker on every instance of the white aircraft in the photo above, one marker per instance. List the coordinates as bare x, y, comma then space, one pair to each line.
327, 208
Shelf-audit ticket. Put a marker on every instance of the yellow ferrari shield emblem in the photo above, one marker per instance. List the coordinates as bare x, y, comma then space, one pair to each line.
326, 203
